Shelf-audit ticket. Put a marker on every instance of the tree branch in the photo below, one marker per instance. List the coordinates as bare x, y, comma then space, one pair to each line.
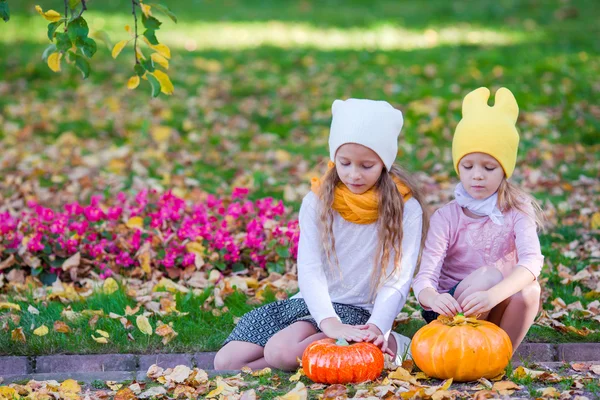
133, 4
83, 8
66, 14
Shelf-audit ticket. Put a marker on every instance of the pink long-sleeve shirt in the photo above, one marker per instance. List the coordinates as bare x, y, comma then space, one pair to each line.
457, 245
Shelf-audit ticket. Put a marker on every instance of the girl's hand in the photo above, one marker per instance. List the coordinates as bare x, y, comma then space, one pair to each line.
337, 330
445, 304
377, 338
478, 303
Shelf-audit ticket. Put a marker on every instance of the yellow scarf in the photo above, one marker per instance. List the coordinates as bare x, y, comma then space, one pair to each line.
358, 208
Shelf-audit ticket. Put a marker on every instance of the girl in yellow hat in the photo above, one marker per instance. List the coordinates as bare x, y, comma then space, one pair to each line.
360, 238
482, 254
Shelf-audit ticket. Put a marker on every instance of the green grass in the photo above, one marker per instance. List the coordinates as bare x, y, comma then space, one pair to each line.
239, 99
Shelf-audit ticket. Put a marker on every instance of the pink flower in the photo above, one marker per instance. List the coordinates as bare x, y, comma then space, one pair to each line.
114, 213
73, 209
93, 214
35, 243
240, 193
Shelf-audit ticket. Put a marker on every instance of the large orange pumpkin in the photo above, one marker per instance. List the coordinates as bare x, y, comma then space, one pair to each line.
328, 361
461, 348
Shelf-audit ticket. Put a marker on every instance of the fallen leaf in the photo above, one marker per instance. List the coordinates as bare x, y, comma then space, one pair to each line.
41, 331
125, 394
297, 375
110, 286
335, 392
298, 393
101, 339
102, 333
32, 310
11, 306
143, 325
264, 371
17, 335
72, 262
180, 373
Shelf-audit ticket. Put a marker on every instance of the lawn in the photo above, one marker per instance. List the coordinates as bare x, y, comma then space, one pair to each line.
254, 81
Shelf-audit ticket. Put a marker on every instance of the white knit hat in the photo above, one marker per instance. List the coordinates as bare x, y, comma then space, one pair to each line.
373, 124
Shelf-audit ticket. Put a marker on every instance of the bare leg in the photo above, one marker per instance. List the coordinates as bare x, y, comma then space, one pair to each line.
479, 280
516, 314
287, 345
237, 354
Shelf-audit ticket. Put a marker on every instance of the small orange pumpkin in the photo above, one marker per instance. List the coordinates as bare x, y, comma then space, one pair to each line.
461, 348
328, 361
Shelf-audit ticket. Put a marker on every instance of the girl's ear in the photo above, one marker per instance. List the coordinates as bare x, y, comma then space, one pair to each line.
507, 104
475, 101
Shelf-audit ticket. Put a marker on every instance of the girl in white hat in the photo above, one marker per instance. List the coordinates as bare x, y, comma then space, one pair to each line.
360, 238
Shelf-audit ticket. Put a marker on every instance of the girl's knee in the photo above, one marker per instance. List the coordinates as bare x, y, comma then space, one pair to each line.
528, 298
280, 354
489, 276
224, 360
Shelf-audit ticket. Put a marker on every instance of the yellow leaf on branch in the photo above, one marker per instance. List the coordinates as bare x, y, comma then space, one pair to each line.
118, 48
165, 83
50, 15
54, 61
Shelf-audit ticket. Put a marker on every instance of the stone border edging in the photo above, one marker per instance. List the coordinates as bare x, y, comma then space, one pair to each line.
23, 365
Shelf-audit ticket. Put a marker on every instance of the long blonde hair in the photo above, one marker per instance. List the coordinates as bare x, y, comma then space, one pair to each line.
391, 212
512, 197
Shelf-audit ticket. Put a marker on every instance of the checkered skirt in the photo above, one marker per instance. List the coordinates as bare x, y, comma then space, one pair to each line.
260, 324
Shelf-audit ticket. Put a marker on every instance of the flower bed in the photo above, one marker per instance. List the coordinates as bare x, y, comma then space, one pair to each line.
135, 235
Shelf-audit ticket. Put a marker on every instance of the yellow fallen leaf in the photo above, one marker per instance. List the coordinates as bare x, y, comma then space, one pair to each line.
70, 386
118, 48
165, 83
144, 259
133, 82
161, 133
102, 333
17, 335
143, 325
264, 371
298, 393
402, 375
135, 222
12, 306
113, 385
110, 286
54, 61
8, 393
72, 262
297, 375
41, 331
595, 220
50, 15
160, 60
550, 392
505, 385
102, 340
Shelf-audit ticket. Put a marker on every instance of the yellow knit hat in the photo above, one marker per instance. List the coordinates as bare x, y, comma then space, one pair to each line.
489, 130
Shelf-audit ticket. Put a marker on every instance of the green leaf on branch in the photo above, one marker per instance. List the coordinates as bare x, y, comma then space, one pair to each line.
78, 28
4, 12
74, 3
87, 46
139, 70
151, 22
155, 85
52, 27
165, 10
81, 63
149, 34
49, 50
148, 65
63, 43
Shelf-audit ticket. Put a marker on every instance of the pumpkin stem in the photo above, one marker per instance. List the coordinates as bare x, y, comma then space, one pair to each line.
342, 342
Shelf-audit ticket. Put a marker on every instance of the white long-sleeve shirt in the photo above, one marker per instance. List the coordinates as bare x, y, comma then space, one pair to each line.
356, 244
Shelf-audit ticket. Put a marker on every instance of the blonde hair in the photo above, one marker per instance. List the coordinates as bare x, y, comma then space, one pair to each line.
391, 211
512, 197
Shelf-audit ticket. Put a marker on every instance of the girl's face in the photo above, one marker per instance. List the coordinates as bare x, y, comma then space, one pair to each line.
358, 167
480, 174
